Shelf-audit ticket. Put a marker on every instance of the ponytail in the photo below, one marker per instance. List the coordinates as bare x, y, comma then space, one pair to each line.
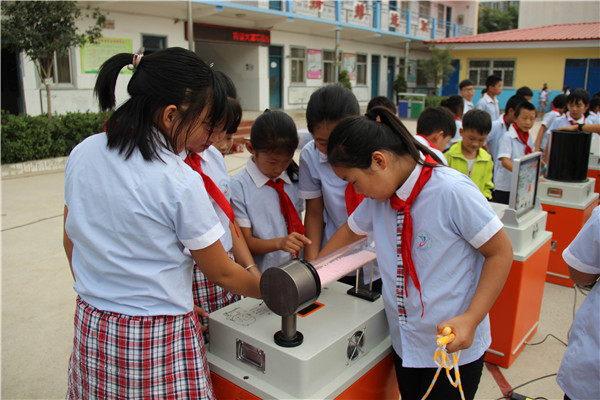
354, 139
172, 76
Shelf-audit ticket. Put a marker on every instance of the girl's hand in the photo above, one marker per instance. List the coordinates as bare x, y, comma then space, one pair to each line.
293, 243
201, 313
463, 326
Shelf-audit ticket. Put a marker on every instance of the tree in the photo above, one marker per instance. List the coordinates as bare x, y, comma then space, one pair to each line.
42, 29
438, 66
399, 85
344, 79
494, 19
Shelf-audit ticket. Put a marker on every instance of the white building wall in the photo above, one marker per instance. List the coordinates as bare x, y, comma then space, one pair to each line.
542, 13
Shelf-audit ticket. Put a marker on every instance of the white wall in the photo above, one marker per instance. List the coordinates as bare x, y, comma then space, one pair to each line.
541, 13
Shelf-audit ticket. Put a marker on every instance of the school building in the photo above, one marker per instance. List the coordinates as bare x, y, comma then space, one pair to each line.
559, 55
276, 52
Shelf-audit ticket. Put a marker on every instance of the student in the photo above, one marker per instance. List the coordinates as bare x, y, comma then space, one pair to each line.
224, 145
435, 127
468, 155
455, 104
501, 126
488, 101
515, 144
265, 193
544, 93
467, 92
324, 192
594, 111
525, 91
329, 200
578, 102
557, 108
580, 366
382, 101
453, 260
131, 206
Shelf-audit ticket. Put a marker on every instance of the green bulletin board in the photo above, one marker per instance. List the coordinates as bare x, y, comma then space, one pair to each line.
93, 55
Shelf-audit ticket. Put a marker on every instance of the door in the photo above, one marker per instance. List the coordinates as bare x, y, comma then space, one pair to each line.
450, 84
575, 72
391, 69
593, 81
374, 76
448, 21
275, 86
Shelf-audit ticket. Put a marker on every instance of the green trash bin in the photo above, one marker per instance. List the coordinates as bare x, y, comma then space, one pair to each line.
415, 109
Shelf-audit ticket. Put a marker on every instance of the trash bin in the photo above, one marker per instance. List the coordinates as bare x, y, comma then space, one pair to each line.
415, 109
403, 109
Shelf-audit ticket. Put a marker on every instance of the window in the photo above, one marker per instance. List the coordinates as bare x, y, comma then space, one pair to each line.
61, 69
361, 69
479, 70
153, 43
424, 8
298, 61
329, 67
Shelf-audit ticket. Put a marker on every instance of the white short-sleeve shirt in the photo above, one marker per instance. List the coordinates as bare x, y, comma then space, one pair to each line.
489, 105
580, 366
257, 206
547, 121
499, 129
438, 153
317, 179
129, 221
467, 105
451, 220
510, 147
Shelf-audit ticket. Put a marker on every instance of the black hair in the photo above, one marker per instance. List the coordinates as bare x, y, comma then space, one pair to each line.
477, 120
330, 103
454, 103
172, 76
524, 91
381, 101
233, 103
560, 101
434, 119
524, 105
594, 102
355, 138
464, 83
492, 80
513, 102
578, 94
275, 131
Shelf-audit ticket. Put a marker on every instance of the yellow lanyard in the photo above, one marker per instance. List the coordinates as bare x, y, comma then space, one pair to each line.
442, 360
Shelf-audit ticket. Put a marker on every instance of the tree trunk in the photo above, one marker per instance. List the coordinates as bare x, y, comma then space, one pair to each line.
48, 101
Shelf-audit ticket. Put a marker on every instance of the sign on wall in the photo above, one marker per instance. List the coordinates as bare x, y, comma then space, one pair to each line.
350, 64
230, 34
94, 55
315, 62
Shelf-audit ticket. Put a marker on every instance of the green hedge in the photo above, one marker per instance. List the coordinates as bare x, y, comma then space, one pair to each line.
433, 101
26, 138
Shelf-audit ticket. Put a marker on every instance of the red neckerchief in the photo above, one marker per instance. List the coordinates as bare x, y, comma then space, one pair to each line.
458, 118
572, 120
193, 160
428, 141
353, 199
290, 214
524, 138
554, 109
407, 228
506, 124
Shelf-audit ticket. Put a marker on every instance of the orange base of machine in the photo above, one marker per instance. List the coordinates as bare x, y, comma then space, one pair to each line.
516, 312
378, 383
564, 223
595, 173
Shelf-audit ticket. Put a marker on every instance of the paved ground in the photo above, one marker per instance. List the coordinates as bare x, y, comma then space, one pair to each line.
38, 300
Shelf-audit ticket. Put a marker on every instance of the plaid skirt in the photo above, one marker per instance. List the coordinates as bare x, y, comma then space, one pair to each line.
209, 296
117, 356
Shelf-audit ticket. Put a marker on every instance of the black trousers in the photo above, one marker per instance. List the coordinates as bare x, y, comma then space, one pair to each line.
500, 196
414, 382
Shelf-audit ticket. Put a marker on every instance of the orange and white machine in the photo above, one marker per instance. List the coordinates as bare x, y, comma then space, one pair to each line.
568, 195
291, 346
515, 315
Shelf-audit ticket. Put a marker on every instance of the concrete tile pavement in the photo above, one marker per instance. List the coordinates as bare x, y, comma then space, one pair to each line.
38, 300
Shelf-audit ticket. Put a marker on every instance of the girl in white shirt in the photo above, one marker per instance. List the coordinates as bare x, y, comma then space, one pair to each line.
131, 208
265, 193
443, 256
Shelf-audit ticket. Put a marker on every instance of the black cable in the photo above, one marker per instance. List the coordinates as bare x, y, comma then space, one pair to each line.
31, 223
548, 335
511, 391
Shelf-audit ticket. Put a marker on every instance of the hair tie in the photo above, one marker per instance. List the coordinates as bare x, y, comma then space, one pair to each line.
371, 115
135, 62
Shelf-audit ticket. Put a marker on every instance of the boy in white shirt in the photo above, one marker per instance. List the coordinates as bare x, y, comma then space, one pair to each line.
488, 101
467, 91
